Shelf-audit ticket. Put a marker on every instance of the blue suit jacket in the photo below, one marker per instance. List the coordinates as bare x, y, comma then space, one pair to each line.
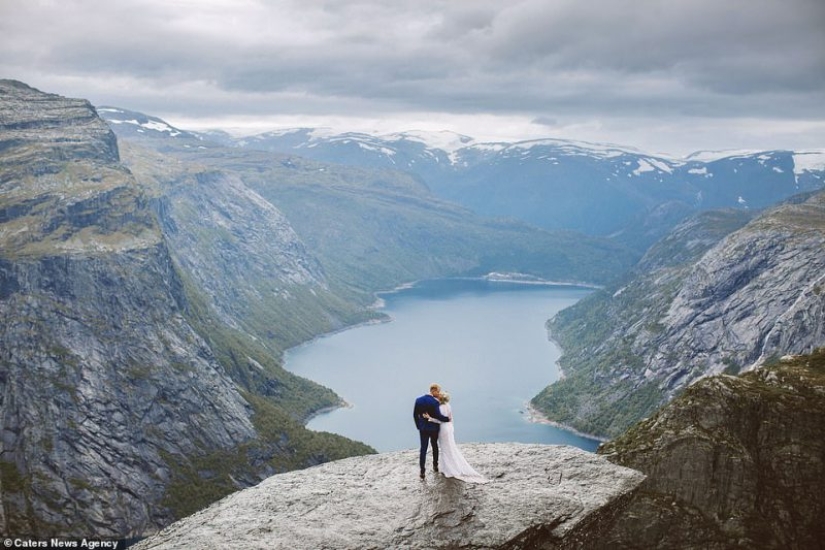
427, 404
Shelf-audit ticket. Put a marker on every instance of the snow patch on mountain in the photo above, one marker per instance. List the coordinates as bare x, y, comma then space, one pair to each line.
446, 141
808, 161
711, 156
651, 165
581, 148
119, 116
376, 148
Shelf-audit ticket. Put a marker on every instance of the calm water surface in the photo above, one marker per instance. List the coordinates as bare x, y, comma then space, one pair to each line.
484, 342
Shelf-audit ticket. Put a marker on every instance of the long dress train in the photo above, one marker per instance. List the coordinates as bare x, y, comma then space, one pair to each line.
452, 461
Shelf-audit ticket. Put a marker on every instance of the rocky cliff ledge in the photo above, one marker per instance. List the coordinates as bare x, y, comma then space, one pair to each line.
539, 496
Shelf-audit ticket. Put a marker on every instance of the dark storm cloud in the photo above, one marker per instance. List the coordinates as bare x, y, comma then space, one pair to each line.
541, 60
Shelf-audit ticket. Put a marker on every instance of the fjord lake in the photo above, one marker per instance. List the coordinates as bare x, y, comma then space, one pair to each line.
484, 341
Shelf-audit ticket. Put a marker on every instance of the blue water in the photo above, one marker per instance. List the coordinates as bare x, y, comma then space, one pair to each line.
484, 342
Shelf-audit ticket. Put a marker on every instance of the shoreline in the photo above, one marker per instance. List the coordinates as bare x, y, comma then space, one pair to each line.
522, 279
532, 414
377, 321
324, 410
492, 277
535, 416
379, 303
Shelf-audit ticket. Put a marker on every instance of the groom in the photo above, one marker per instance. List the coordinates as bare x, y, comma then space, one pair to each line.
427, 406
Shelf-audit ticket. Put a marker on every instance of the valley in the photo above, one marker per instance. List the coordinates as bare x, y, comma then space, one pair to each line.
151, 280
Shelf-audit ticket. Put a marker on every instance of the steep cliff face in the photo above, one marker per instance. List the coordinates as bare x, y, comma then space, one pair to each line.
539, 497
734, 462
98, 367
116, 414
241, 252
62, 188
759, 293
709, 298
69, 129
102, 381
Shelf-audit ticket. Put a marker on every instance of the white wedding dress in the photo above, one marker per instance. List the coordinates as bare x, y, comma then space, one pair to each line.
452, 462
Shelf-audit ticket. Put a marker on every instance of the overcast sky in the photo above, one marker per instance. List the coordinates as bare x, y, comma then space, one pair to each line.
669, 76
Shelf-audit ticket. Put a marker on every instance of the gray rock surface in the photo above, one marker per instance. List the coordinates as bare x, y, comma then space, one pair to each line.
758, 293
67, 128
539, 496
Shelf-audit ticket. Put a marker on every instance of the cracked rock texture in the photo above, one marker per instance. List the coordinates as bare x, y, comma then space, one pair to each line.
540, 496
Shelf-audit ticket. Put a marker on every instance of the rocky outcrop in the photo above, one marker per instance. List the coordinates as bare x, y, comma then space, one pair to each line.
735, 462
67, 129
708, 299
538, 497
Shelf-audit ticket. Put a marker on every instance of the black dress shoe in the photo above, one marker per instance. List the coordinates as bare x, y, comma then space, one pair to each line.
422, 476
435, 468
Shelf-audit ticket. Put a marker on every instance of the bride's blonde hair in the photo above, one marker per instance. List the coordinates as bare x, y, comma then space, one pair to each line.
444, 397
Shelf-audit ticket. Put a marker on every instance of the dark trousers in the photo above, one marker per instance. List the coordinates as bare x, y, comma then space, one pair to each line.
426, 439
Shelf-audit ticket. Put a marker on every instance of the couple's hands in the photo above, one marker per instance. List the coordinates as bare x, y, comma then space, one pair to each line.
426, 416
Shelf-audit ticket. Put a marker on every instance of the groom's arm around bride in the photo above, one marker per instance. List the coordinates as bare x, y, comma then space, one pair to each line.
428, 406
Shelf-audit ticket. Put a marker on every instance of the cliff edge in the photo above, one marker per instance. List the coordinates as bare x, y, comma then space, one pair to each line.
539, 496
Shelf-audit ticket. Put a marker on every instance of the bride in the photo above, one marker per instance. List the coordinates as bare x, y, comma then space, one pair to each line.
453, 463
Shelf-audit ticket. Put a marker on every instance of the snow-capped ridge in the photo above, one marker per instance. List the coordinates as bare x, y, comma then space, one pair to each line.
443, 140
711, 156
114, 115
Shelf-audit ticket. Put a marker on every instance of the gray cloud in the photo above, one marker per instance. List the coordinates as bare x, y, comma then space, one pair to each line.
578, 63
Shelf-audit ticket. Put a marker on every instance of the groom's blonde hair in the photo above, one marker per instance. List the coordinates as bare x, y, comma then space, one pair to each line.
435, 387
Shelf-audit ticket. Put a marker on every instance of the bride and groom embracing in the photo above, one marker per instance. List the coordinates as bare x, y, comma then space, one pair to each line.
434, 420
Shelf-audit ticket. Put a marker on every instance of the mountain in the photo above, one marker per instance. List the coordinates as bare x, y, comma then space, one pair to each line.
124, 402
149, 283
373, 229
558, 184
243, 253
138, 125
721, 293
